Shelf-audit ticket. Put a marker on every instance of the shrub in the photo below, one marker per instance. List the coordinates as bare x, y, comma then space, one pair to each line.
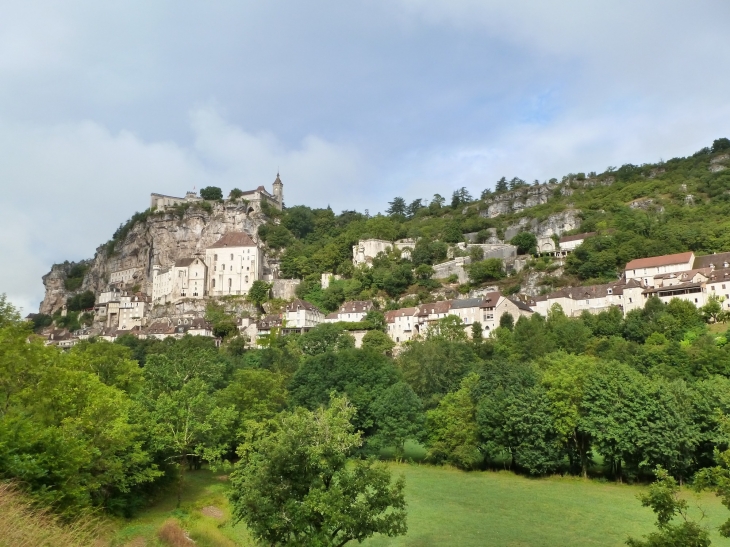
211, 193
170, 533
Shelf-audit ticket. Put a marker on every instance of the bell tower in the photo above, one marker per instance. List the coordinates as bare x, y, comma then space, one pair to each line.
279, 191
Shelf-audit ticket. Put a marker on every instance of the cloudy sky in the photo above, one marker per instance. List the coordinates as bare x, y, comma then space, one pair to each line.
354, 102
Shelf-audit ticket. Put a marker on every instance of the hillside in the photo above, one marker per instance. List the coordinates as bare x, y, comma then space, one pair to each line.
637, 210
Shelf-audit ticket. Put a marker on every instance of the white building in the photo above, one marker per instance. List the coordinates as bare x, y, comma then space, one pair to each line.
570, 243
644, 269
300, 314
355, 310
122, 276
719, 285
594, 298
495, 305
234, 262
132, 311
401, 324
162, 284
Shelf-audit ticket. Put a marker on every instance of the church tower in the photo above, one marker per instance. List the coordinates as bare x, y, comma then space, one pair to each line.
279, 191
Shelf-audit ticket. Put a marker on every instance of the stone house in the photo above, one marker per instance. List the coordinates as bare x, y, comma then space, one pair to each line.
495, 305
234, 262
718, 285
355, 310
644, 269
401, 324
593, 299
132, 310
301, 315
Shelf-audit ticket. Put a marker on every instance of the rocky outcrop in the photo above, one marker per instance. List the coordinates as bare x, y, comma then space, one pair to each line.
555, 224
162, 238
517, 200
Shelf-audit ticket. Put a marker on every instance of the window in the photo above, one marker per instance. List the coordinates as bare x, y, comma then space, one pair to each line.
231, 268
723, 285
223, 267
631, 300
231, 256
215, 257
213, 284
246, 279
230, 282
610, 291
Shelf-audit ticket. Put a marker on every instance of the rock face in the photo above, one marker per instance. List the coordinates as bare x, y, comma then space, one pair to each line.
555, 224
518, 200
162, 238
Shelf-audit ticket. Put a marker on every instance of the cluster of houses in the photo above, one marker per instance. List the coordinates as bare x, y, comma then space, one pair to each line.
230, 266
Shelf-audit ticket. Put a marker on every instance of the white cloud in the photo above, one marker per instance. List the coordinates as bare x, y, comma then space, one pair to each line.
67, 187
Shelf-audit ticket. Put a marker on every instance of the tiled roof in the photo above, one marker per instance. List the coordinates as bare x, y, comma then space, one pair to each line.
677, 287
520, 304
333, 315
234, 239
491, 299
466, 303
183, 262
717, 261
435, 307
664, 260
390, 316
298, 304
684, 275
356, 306
576, 237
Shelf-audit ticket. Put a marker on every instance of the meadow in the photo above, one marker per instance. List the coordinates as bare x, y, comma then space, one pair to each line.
450, 507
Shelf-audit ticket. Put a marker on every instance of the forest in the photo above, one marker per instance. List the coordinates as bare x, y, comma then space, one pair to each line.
107, 425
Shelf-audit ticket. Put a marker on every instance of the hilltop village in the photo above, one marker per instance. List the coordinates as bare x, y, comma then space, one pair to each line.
228, 269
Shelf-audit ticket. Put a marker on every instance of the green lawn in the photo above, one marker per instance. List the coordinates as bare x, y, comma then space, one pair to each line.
450, 507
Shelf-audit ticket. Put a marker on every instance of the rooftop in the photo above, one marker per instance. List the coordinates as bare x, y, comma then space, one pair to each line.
664, 260
576, 237
234, 239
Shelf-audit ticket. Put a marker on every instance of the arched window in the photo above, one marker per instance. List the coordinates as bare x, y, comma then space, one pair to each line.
246, 279
231, 256
213, 283
230, 282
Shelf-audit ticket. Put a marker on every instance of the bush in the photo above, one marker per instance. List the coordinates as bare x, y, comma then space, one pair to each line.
211, 193
83, 301
486, 270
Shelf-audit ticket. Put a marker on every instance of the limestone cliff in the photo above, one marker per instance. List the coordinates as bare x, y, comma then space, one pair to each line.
160, 238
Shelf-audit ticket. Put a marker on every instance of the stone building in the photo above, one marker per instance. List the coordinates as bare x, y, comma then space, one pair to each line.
367, 249
301, 315
234, 262
644, 269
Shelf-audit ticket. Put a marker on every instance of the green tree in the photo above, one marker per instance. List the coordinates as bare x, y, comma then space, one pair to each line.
453, 435
378, 341
112, 363
82, 301
712, 311
397, 207
485, 270
506, 321
449, 328
235, 194
362, 375
435, 367
211, 193
399, 417
526, 243
501, 186
476, 332
259, 293
663, 498
293, 485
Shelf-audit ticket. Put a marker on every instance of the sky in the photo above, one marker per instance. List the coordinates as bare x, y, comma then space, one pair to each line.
354, 103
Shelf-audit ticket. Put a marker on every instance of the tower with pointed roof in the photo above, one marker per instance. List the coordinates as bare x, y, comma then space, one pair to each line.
279, 191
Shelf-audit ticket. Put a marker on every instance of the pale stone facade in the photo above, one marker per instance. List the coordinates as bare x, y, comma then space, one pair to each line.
300, 314
367, 249
234, 262
644, 269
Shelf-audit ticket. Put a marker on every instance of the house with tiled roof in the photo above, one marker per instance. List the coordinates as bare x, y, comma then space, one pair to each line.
234, 262
402, 324
644, 269
302, 315
625, 296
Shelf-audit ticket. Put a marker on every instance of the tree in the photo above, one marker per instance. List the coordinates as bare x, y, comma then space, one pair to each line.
398, 414
449, 328
506, 321
259, 292
485, 270
712, 311
211, 193
501, 186
435, 367
663, 498
362, 375
235, 194
397, 207
526, 243
486, 194
378, 341
719, 145
293, 485
112, 363
453, 435
82, 301
438, 200
415, 206
476, 332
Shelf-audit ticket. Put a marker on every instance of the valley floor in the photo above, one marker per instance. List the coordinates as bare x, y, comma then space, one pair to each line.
449, 507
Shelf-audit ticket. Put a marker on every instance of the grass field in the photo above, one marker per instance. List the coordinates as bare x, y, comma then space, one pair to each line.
450, 507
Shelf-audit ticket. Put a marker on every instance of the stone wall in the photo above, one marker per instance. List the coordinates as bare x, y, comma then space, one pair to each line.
455, 266
284, 288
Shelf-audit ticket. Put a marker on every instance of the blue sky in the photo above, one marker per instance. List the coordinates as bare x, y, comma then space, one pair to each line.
355, 102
